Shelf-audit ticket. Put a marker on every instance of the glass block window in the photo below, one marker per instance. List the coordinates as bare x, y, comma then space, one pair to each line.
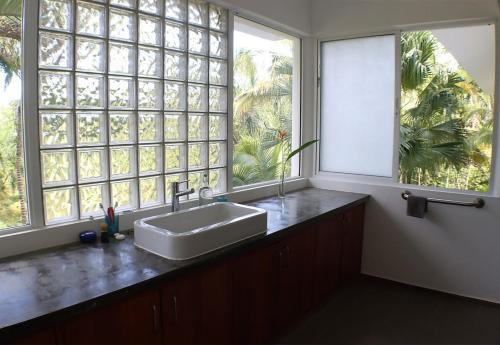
132, 96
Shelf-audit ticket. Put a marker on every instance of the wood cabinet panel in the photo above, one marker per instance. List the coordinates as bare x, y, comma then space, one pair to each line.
43, 337
295, 278
180, 302
352, 244
135, 320
254, 285
328, 257
196, 308
215, 306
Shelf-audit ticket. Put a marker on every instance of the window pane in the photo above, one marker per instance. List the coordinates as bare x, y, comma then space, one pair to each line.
90, 55
349, 70
54, 51
90, 198
91, 128
124, 193
266, 101
59, 205
13, 201
55, 14
58, 167
56, 129
126, 63
176, 9
92, 165
447, 97
122, 25
175, 127
150, 127
151, 191
90, 19
150, 160
123, 162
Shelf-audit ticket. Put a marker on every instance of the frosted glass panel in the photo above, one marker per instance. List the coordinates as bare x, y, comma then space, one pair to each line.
357, 106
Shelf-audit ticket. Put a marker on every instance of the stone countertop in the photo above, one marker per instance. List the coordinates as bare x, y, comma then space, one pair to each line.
75, 277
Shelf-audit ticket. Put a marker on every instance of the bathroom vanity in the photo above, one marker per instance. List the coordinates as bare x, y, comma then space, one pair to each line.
248, 292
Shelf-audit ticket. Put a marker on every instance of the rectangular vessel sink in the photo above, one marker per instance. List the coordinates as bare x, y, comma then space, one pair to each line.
190, 233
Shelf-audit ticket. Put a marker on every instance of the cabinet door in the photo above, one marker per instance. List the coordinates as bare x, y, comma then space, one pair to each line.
136, 320
180, 310
253, 284
215, 306
328, 257
352, 246
294, 293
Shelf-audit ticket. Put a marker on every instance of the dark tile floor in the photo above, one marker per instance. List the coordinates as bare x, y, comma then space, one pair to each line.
374, 311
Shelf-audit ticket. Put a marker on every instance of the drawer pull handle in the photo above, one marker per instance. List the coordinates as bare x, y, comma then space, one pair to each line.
156, 321
175, 308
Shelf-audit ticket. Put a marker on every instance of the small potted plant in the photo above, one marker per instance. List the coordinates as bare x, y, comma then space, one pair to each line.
286, 156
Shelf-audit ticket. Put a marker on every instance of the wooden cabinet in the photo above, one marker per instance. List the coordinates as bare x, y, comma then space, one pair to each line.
135, 320
352, 242
328, 257
196, 308
250, 298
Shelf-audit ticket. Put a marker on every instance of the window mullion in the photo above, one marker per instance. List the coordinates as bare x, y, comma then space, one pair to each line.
397, 106
230, 102
30, 111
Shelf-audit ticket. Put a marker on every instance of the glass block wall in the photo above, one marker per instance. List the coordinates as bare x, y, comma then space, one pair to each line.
132, 96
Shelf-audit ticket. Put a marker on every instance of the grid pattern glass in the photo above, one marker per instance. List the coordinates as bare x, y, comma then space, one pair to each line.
132, 96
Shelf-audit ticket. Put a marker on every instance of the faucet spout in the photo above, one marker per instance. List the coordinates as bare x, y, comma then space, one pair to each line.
176, 194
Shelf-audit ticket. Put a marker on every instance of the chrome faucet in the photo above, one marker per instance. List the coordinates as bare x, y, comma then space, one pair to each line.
176, 194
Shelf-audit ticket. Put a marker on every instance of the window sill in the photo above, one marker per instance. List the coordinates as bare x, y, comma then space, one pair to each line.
323, 178
22, 240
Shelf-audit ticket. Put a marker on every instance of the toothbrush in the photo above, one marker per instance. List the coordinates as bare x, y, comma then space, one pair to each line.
102, 208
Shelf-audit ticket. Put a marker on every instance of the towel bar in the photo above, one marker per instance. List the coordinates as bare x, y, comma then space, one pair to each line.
477, 203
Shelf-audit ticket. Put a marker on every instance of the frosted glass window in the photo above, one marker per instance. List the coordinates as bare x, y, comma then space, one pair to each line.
358, 106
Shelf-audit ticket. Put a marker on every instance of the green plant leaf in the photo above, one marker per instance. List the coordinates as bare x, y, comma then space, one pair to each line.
301, 148
11, 8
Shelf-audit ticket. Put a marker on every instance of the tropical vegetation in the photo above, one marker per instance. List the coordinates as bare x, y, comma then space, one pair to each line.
446, 119
12, 185
262, 123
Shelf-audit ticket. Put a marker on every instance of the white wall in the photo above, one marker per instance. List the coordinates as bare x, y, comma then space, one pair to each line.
293, 15
455, 249
337, 17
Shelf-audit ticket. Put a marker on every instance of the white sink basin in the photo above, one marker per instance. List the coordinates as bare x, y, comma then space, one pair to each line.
196, 231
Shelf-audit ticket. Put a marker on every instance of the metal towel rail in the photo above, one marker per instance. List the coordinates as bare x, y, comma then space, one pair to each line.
477, 203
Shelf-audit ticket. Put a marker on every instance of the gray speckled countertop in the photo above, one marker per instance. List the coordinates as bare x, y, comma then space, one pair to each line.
77, 276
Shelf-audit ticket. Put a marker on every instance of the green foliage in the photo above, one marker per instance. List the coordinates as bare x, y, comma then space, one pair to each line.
10, 212
11, 8
263, 106
446, 120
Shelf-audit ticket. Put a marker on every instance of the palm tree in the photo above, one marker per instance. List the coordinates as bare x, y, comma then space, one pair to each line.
262, 109
438, 107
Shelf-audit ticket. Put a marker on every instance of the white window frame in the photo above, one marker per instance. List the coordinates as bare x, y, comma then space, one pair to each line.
297, 130
494, 189
35, 235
